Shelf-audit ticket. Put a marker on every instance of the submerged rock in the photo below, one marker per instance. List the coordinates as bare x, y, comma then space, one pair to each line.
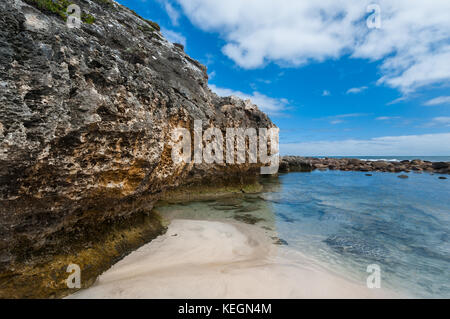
279, 241
248, 219
357, 246
248, 209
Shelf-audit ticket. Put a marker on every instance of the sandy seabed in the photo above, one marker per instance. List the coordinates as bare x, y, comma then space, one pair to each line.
209, 259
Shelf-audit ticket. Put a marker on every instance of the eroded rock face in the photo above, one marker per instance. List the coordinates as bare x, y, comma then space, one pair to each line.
308, 164
85, 119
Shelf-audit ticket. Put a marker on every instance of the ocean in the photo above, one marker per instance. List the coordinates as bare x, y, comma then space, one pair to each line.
349, 220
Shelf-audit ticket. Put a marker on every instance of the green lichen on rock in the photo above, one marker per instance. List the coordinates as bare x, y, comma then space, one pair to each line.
87, 18
207, 192
94, 255
59, 7
146, 29
153, 24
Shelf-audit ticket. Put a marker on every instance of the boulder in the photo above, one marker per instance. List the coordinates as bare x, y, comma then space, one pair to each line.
440, 165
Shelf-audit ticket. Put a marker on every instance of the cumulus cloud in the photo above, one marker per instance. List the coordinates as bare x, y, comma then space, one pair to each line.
438, 100
357, 90
326, 93
173, 36
413, 42
409, 145
271, 106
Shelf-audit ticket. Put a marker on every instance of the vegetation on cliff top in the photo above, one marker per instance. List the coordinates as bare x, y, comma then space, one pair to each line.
153, 24
59, 7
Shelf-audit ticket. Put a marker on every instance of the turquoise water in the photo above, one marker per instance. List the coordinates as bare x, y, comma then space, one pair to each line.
347, 221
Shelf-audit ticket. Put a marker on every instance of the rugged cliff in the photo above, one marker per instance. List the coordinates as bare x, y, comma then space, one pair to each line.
85, 116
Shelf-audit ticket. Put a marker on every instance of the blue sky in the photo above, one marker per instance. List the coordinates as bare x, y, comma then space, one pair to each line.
332, 85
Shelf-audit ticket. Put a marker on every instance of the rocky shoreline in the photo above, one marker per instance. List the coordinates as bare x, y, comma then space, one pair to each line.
308, 164
86, 122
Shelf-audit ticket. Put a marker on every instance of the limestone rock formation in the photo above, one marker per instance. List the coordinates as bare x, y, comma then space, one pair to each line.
85, 117
308, 164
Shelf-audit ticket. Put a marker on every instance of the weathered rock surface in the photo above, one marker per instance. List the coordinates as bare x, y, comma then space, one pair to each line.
85, 116
307, 164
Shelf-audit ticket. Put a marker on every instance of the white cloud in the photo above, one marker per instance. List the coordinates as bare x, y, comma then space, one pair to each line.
413, 41
340, 116
265, 103
357, 90
442, 120
438, 100
211, 75
387, 118
409, 145
338, 119
397, 100
173, 36
173, 13
326, 93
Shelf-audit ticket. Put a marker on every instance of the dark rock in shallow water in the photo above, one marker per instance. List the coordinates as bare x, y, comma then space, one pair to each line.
403, 176
368, 174
248, 209
442, 177
295, 164
280, 242
285, 218
248, 219
440, 165
356, 246
298, 163
224, 208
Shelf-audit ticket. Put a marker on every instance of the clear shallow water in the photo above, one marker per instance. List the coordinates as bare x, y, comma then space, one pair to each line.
347, 221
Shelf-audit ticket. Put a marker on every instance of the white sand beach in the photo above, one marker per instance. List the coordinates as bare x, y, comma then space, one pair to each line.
209, 259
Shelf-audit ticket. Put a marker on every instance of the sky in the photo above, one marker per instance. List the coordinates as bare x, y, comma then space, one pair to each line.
338, 77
